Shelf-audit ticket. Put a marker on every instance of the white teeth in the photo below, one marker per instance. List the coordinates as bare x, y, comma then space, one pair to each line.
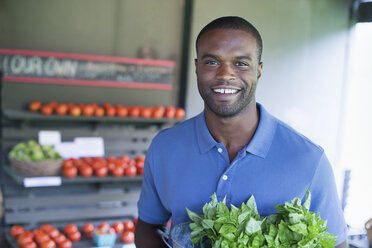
225, 91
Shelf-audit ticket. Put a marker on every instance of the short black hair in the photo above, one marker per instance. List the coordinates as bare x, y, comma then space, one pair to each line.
233, 22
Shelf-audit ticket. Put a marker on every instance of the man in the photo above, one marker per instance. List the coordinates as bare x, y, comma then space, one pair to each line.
234, 147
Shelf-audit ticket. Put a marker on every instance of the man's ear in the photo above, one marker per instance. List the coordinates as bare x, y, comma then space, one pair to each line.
195, 62
260, 65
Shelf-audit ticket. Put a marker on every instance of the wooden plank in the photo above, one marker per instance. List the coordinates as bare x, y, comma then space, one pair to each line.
70, 214
67, 200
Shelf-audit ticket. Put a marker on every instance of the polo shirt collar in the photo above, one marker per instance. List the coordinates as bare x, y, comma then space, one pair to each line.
263, 137
260, 143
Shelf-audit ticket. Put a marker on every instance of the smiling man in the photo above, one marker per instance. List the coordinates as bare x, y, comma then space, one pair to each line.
234, 148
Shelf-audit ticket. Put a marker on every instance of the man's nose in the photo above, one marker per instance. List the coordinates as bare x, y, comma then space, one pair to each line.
226, 73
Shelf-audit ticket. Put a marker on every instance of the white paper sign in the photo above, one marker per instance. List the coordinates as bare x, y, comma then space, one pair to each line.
49, 137
42, 181
90, 146
67, 150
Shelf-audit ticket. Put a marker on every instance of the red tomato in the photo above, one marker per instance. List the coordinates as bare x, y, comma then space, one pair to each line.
101, 171
70, 228
140, 158
86, 171
46, 227
111, 166
46, 110
75, 111
180, 113
61, 109
30, 244
34, 106
127, 237
104, 226
146, 112
53, 232
16, 230
135, 111
88, 110
48, 244
87, 228
87, 160
128, 225
118, 226
124, 158
110, 159
170, 112
25, 237
158, 112
65, 244
122, 111
68, 163
110, 111
74, 236
130, 171
59, 238
118, 171
37, 231
41, 238
99, 112
69, 172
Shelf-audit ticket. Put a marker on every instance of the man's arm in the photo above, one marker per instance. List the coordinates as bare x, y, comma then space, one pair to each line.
342, 245
146, 235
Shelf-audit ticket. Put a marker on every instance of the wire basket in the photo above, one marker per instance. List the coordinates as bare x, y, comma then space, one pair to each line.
34, 169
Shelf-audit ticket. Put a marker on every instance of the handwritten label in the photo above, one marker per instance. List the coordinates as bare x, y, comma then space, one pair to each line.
49, 137
67, 150
42, 181
90, 146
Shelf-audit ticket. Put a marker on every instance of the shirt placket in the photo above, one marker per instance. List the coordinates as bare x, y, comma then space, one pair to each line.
224, 182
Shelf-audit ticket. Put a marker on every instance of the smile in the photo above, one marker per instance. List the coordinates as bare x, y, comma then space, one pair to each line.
225, 91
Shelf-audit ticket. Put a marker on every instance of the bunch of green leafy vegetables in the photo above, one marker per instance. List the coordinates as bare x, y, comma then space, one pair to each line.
293, 226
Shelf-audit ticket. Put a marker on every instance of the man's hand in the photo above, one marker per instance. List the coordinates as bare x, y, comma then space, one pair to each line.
146, 235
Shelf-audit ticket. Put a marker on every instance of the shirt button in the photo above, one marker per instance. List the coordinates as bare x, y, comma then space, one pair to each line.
224, 177
219, 149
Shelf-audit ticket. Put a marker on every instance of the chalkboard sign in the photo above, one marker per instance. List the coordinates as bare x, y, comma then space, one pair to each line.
79, 69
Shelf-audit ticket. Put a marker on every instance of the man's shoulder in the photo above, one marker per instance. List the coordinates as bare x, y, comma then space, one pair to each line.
293, 136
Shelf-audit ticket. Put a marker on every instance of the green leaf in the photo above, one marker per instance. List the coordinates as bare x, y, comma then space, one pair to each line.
300, 228
251, 203
207, 223
295, 218
193, 216
243, 216
307, 201
253, 226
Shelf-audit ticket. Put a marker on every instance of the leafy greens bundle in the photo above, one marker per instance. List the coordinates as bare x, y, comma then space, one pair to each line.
293, 226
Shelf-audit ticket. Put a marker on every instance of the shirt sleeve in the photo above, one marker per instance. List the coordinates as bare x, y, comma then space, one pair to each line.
325, 200
150, 207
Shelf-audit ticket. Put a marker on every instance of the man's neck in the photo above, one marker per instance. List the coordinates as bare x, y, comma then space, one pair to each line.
234, 132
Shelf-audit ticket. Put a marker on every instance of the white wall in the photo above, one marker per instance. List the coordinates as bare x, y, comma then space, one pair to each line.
304, 60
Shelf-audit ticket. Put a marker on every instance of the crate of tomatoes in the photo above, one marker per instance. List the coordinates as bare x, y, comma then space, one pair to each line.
122, 166
98, 233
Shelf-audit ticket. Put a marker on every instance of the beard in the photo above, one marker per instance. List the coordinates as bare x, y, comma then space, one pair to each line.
228, 109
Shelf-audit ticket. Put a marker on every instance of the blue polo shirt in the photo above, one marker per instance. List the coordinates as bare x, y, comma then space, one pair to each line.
184, 166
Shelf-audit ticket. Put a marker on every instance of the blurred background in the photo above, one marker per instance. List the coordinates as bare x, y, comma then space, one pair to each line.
316, 77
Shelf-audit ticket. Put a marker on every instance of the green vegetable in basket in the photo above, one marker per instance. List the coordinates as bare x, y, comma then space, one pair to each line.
293, 226
32, 151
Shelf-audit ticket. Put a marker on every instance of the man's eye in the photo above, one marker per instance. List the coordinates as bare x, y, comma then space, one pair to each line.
240, 63
211, 62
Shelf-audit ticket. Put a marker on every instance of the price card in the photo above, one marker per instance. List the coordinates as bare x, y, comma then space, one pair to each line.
90, 146
42, 181
49, 137
67, 150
